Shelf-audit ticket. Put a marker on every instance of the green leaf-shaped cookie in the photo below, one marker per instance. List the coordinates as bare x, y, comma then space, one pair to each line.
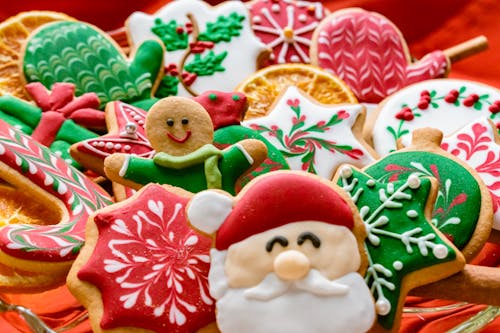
85, 56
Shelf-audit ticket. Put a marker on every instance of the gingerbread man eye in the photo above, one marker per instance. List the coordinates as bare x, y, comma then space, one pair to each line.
277, 239
309, 236
170, 122
184, 121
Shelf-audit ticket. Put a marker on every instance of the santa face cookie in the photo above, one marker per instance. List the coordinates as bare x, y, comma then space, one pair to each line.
286, 27
404, 250
314, 137
445, 104
85, 56
274, 248
180, 130
368, 52
143, 267
66, 194
206, 47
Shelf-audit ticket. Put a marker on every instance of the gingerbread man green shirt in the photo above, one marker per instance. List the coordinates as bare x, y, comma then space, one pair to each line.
231, 164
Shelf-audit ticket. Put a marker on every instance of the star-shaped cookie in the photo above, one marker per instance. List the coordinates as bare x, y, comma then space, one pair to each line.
314, 137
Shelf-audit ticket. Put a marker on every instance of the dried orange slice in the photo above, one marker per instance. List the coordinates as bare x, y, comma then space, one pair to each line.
264, 86
13, 33
19, 207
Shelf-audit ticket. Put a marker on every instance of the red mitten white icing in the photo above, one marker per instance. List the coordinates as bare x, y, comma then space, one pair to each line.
369, 53
286, 26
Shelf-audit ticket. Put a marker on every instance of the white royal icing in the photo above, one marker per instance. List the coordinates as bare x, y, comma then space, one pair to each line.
243, 50
341, 134
443, 115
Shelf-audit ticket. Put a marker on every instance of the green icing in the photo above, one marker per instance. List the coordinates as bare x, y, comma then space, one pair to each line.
169, 86
222, 30
206, 65
75, 52
172, 34
193, 178
208, 155
73, 133
229, 135
22, 111
400, 238
458, 203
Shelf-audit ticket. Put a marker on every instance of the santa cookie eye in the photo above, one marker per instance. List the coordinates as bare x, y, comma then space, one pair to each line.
184, 121
170, 122
278, 239
309, 236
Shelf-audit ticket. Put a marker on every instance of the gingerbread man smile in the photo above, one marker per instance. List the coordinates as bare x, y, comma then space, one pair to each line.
173, 137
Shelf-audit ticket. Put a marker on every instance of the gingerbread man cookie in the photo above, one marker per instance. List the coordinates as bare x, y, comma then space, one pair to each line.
206, 47
181, 132
78, 53
287, 248
314, 137
68, 196
445, 104
286, 26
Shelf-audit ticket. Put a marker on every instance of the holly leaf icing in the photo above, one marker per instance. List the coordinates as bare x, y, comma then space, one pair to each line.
150, 266
400, 241
75, 52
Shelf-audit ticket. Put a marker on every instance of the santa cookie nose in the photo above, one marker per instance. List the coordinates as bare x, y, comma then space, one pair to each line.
291, 265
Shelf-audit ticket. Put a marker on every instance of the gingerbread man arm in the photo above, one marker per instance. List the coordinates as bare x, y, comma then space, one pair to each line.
113, 165
256, 150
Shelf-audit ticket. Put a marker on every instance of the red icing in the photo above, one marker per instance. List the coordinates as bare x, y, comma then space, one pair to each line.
179, 140
226, 109
269, 23
118, 115
279, 199
59, 105
367, 51
48, 172
148, 259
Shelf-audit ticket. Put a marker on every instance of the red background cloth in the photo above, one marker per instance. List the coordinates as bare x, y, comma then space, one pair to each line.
427, 25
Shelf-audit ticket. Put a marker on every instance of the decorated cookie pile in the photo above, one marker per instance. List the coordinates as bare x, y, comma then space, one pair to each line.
266, 166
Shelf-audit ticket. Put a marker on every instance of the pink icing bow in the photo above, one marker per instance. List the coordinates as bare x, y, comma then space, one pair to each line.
59, 105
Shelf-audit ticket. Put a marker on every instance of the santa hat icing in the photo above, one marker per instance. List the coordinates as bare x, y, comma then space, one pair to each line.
269, 202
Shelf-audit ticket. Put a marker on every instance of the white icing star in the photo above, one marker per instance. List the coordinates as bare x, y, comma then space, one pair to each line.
312, 136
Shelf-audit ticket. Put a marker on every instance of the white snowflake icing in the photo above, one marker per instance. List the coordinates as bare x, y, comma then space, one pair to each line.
165, 259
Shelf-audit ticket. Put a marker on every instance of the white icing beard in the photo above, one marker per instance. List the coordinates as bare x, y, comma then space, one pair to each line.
341, 305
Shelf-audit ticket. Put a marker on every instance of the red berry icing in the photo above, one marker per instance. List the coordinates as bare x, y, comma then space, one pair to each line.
405, 114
